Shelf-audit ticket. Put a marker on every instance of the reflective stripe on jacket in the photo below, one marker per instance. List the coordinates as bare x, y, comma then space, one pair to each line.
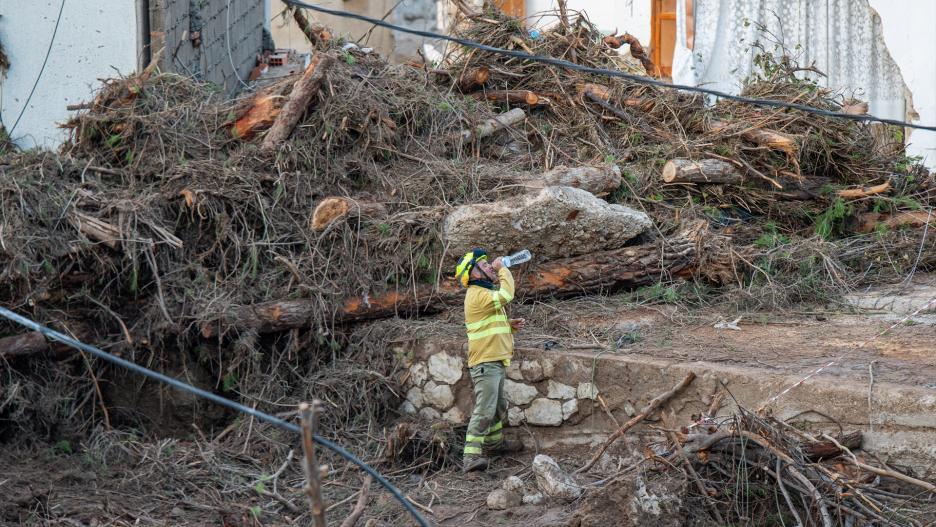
490, 337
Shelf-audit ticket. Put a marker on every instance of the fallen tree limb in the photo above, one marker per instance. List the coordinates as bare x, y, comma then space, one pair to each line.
603, 271
260, 115
333, 209
490, 126
760, 136
473, 79
863, 192
315, 33
654, 405
525, 97
869, 221
597, 180
360, 505
637, 51
24, 344
96, 230
300, 98
701, 171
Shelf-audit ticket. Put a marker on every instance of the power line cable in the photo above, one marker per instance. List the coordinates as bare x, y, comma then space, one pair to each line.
609, 73
175, 383
41, 70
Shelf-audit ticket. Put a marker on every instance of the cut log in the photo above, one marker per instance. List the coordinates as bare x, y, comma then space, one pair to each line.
602, 271
701, 171
829, 449
760, 136
597, 180
524, 97
869, 221
261, 114
300, 98
25, 344
555, 222
333, 209
316, 33
863, 192
96, 230
495, 124
473, 79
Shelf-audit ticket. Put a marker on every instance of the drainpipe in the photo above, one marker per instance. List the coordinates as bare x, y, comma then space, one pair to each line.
144, 51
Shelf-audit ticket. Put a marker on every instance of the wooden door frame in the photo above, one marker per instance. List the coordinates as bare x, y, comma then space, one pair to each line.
656, 18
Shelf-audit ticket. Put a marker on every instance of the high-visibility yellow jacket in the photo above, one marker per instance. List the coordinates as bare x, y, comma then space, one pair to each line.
490, 337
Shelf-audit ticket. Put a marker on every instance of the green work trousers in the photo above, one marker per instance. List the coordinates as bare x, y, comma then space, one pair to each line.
490, 408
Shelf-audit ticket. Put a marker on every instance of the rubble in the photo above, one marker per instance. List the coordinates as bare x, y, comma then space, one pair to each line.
552, 481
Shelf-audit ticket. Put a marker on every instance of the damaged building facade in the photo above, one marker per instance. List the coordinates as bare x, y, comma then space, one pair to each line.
879, 52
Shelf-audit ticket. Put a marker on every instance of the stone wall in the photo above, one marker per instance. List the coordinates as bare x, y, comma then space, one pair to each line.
569, 397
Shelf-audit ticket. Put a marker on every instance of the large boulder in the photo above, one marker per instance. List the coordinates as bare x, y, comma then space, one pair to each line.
555, 222
544, 412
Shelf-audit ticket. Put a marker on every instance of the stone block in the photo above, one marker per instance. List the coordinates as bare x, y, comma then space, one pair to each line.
438, 395
557, 390
429, 414
519, 393
586, 390
569, 408
532, 370
544, 412
515, 416
418, 374
445, 368
415, 396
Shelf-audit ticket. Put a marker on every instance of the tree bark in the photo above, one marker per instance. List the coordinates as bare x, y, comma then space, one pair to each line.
524, 97
701, 171
300, 98
24, 344
495, 124
316, 33
599, 272
473, 79
333, 209
763, 137
597, 180
863, 192
868, 222
260, 115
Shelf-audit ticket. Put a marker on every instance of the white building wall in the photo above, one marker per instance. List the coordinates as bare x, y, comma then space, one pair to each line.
630, 16
94, 40
910, 38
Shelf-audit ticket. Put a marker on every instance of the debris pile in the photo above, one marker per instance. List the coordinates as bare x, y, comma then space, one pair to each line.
236, 243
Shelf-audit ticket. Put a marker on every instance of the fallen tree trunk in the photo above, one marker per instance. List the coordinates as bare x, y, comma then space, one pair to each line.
869, 221
96, 230
300, 98
598, 272
525, 97
701, 171
25, 344
473, 79
760, 136
494, 124
597, 180
333, 209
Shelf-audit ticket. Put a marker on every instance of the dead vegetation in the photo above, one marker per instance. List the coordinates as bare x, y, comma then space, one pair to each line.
177, 229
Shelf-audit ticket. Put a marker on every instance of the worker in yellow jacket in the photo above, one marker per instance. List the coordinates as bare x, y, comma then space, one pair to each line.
490, 287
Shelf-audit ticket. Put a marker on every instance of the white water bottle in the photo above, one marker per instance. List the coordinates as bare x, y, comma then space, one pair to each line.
517, 258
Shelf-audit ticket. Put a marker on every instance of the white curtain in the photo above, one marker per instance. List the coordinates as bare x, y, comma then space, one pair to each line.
842, 37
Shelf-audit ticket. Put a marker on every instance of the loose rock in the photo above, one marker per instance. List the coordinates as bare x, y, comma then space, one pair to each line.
500, 499
553, 481
418, 374
534, 499
429, 414
455, 416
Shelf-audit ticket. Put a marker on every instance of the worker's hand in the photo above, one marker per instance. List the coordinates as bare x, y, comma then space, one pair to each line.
516, 324
498, 264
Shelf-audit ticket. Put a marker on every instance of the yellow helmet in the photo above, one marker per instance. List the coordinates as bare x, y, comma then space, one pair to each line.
467, 263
